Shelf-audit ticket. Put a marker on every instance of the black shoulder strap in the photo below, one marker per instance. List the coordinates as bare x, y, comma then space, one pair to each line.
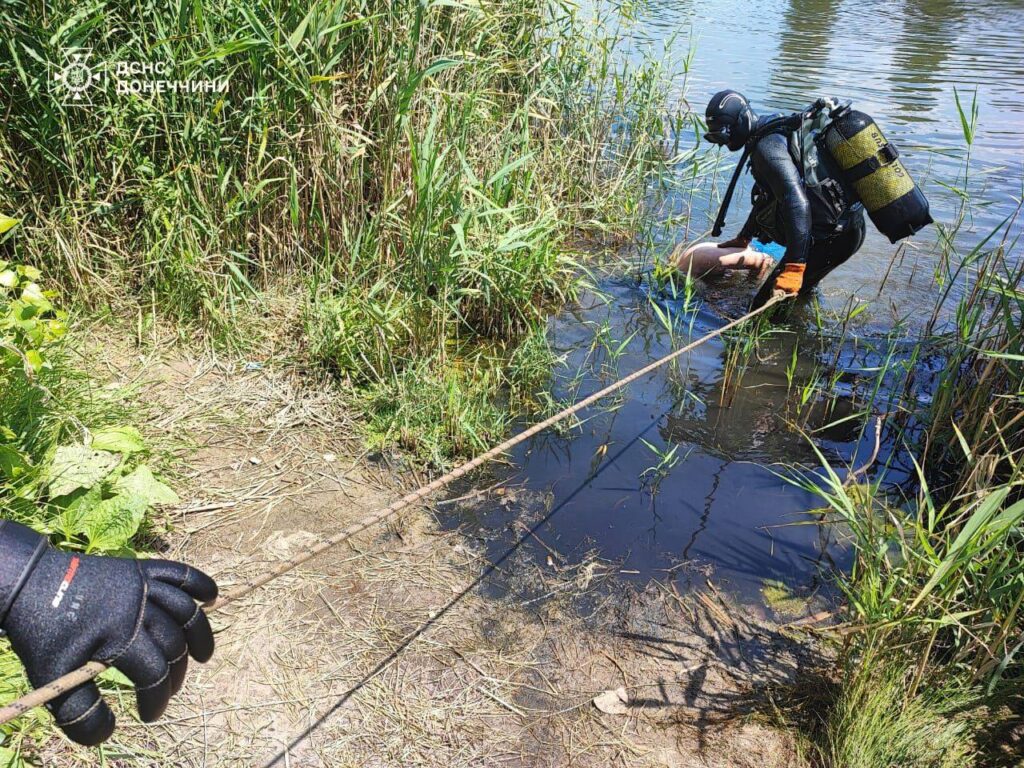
716, 230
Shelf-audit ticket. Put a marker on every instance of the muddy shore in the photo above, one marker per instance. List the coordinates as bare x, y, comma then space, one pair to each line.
395, 650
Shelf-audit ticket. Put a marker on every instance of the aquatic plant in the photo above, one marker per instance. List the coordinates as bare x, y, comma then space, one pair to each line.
667, 457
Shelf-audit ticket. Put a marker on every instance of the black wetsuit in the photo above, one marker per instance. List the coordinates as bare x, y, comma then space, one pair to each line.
782, 213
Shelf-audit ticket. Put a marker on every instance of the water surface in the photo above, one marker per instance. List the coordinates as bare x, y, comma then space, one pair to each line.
722, 510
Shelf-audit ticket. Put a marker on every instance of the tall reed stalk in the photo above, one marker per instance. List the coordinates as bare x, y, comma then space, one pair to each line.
395, 187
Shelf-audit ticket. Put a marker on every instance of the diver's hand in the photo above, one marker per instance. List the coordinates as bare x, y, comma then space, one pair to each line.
62, 609
736, 242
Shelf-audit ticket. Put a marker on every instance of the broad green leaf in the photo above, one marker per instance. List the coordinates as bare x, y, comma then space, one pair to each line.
963, 442
118, 440
11, 758
141, 483
78, 466
988, 507
978, 519
517, 163
1009, 517
30, 272
7, 223
1002, 355
23, 313
32, 294
112, 523
117, 677
439, 66
8, 279
82, 502
12, 463
295, 39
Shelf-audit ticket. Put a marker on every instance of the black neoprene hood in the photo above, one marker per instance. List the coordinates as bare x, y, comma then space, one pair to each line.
730, 119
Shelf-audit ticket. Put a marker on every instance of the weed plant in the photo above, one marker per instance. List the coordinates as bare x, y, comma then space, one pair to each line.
389, 183
71, 467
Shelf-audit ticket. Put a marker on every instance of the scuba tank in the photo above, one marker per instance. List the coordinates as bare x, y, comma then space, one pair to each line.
831, 140
871, 165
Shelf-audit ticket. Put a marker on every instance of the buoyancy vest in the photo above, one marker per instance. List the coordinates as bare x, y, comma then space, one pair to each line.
833, 204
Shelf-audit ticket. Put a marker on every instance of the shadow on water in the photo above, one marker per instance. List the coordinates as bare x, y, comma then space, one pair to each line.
720, 508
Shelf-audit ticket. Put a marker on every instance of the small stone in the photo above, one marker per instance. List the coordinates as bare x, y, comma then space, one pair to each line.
613, 702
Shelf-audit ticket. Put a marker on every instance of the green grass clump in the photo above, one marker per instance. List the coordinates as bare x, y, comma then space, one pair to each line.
875, 724
436, 160
432, 413
462, 407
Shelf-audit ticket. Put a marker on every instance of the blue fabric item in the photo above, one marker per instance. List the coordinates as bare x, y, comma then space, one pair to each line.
774, 250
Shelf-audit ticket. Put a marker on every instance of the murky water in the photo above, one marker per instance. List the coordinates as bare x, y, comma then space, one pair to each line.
719, 508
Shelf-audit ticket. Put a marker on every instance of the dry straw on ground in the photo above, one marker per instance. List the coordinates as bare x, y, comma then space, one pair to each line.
387, 652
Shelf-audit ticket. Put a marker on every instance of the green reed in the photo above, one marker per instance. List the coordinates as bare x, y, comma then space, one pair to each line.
385, 183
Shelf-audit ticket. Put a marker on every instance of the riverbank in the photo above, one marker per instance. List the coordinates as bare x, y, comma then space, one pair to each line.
373, 225
264, 463
392, 649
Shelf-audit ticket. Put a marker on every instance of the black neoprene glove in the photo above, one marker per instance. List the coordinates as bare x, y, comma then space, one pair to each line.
62, 609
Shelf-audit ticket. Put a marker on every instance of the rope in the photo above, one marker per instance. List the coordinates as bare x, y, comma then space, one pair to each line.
88, 671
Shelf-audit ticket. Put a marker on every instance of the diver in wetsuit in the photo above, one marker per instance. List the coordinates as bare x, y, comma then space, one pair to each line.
818, 237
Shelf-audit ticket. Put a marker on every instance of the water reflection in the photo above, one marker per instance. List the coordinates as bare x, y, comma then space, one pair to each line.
800, 69
720, 508
927, 40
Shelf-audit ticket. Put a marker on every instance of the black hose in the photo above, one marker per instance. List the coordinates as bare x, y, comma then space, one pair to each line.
720, 219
